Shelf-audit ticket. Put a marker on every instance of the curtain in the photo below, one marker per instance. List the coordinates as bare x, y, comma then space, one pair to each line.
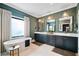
6, 26
0, 31
78, 31
26, 26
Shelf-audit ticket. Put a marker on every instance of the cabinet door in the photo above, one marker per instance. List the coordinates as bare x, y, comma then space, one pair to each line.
38, 38
71, 43
51, 40
44, 38
41, 38
59, 42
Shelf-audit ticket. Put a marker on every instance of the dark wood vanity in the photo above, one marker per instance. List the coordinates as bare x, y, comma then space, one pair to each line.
60, 41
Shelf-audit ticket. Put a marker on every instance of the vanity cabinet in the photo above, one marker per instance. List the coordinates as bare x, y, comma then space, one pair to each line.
67, 43
51, 40
46, 39
38, 37
59, 42
63, 42
41, 38
71, 43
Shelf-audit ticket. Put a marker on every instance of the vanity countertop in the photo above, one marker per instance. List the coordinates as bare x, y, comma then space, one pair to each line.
60, 34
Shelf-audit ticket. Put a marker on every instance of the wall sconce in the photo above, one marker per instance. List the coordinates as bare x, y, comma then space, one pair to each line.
42, 21
65, 14
39, 20
49, 17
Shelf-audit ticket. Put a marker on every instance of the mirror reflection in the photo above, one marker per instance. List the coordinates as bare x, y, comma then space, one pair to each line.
51, 25
65, 24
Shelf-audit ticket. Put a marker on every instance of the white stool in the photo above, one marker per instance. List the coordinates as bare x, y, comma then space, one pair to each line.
12, 49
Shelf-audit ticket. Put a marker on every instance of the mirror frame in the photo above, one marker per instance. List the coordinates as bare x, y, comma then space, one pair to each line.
48, 20
64, 18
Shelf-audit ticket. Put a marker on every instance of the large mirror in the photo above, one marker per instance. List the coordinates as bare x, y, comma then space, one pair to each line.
65, 24
51, 25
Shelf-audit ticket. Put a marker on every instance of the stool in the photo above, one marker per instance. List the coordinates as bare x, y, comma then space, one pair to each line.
12, 49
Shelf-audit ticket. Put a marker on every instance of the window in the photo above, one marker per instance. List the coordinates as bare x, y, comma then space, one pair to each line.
17, 27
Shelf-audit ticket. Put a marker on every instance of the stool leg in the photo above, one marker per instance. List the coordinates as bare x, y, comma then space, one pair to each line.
10, 53
13, 52
18, 51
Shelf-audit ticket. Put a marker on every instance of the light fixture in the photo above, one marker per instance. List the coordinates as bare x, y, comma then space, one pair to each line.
39, 20
42, 21
65, 14
49, 17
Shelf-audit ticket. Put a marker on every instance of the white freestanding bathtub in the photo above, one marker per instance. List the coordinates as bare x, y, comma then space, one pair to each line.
20, 41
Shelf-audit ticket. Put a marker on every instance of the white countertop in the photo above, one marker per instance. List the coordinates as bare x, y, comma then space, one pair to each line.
60, 34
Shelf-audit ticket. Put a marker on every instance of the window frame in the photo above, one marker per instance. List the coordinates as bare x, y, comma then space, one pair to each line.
18, 18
